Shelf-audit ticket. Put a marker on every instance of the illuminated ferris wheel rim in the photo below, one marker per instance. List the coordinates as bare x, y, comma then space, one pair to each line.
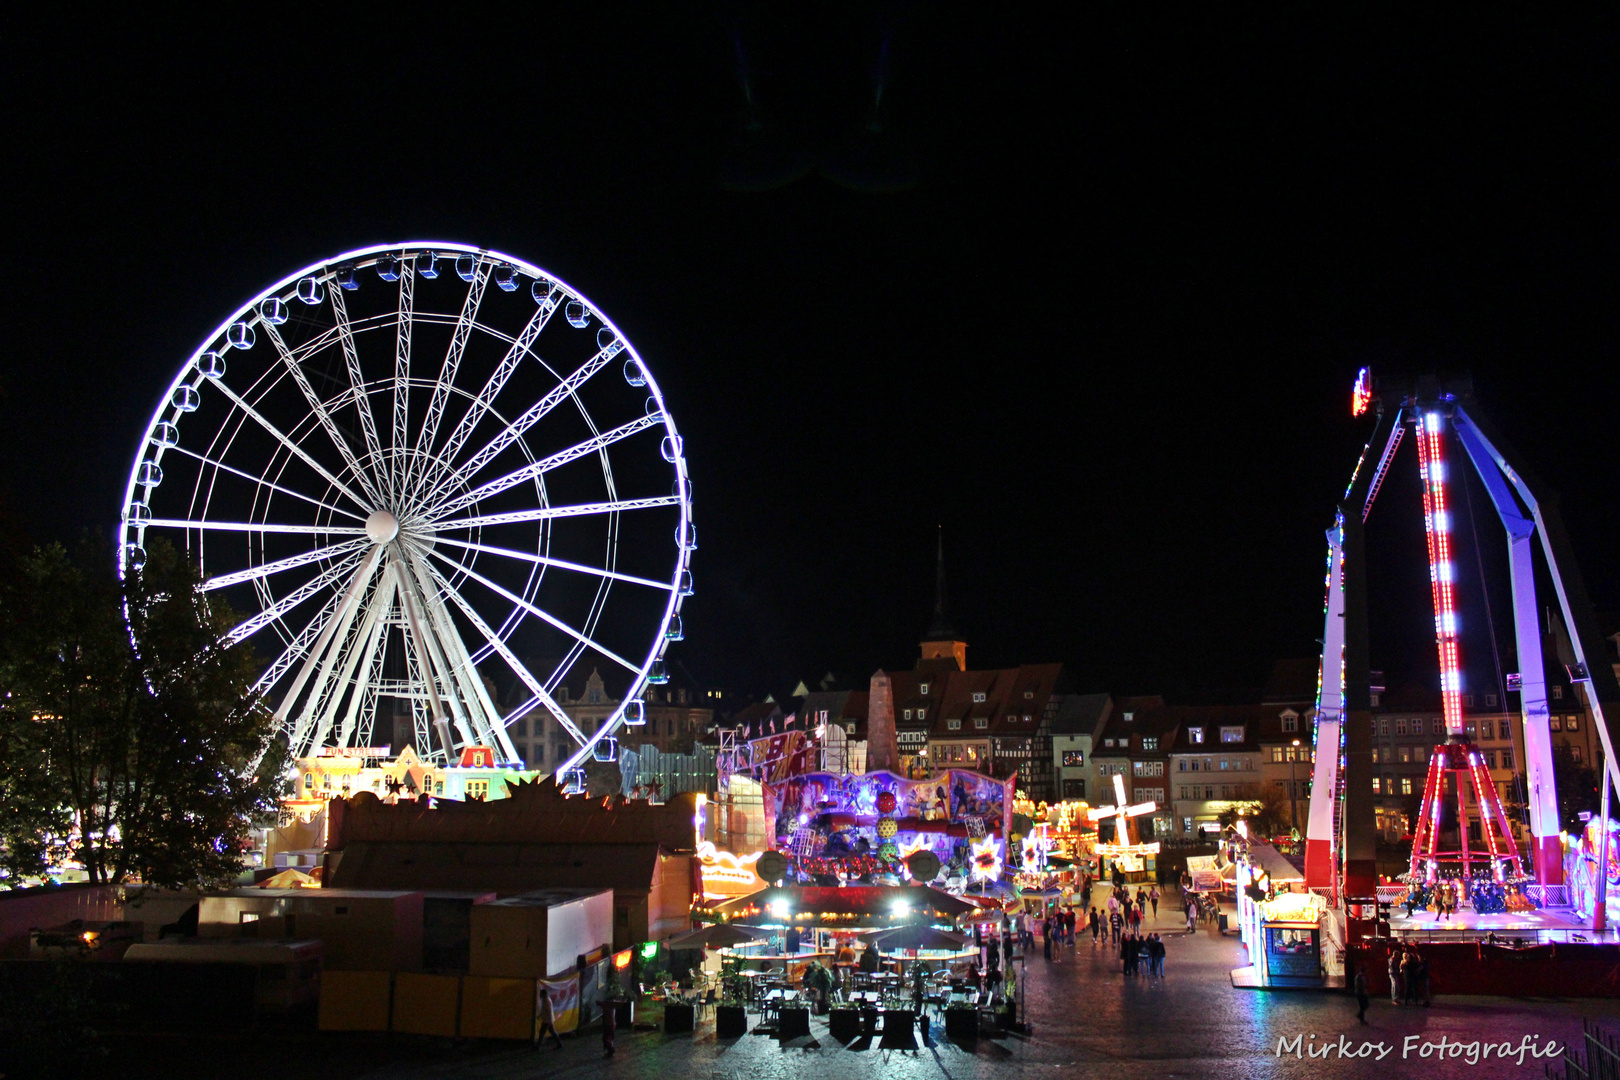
380, 526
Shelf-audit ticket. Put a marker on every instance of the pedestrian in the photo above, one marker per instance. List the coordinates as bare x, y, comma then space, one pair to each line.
1096, 926
1158, 956
1409, 977
1395, 976
1362, 999
1046, 937
1127, 953
1068, 920
1115, 922
1421, 973
546, 1022
610, 1024
1192, 918
1153, 898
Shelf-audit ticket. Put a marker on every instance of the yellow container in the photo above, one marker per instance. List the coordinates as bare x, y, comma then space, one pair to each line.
355, 1000
426, 1004
497, 1008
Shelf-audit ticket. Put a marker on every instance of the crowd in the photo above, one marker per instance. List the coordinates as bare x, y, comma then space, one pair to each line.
1115, 923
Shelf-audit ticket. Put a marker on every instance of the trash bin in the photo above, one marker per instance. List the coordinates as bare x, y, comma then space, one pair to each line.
679, 1019
1223, 922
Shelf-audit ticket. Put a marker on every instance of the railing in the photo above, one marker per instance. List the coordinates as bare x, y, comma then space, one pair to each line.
1389, 894
1600, 1062
1550, 896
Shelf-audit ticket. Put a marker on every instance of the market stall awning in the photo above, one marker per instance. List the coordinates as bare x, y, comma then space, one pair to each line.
878, 903
718, 936
1276, 867
916, 936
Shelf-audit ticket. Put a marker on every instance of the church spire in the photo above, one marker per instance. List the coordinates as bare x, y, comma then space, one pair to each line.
942, 640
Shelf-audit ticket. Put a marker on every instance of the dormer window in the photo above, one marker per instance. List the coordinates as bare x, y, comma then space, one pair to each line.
922, 688
954, 725
1231, 734
922, 714
981, 722
1029, 695
978, 696
908, 714
1195, 735
1129, 716
1290, 722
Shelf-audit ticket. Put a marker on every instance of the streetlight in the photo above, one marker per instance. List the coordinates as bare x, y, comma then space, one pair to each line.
1293, 788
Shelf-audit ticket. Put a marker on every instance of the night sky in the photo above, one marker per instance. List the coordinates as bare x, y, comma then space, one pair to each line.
1090, 296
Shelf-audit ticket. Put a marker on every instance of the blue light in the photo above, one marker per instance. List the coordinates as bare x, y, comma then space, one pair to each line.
606, 750
1433, 421
388, 268
427, 265
578, 317
635, 713
346, 278
657, 674
541, 289
671, 448
505, 279
674, 632
134, 556
466, 267
633, 374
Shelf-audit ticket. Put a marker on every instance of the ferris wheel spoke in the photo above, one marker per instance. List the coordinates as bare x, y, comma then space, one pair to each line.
261, 481
318, 407
257, 526
547, 513
561, 564
531, 416
320, 707
357, 383
402, 374
298, 647
366, 661
539, 613
248, 627
452, 364
351, 596
481, 711
492, 388
536, 687
289, 443
545, 465
434, 667
225, 581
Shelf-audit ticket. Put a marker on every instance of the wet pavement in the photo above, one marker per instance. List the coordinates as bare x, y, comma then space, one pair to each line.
1088, 1019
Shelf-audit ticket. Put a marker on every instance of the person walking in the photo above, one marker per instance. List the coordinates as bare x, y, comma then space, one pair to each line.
1046, 936
1096, 926
610, 1025
1115, 922
546, 1022
1362, 999
1158, 956
1192, 918
1409, 968
1395, 956
1127, 953
1153, 898
1421, 973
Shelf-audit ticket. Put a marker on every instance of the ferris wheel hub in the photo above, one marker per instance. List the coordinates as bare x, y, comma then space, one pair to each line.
382, 527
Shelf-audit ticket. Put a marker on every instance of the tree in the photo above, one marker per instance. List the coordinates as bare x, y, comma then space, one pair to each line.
143, 731
1577, 790
1262, 805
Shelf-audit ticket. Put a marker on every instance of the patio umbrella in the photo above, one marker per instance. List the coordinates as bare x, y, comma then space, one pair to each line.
718, 936
918, 936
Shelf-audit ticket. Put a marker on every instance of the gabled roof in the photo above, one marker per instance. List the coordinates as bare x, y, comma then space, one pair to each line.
1081, 714
1210, 719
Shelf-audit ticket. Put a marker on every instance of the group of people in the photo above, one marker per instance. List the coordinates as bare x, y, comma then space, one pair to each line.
1143, 955
1408, 977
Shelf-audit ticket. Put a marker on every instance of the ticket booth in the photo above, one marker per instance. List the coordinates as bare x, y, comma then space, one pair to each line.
1293, 952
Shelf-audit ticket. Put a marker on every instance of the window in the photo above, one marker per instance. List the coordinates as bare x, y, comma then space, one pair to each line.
341, 909
1194, 764
1148, 742
1468, 701
1026, 718
1383, 725
1575, 754
1029, 695
539, 756
1208, 767
978, 695
1290, 722
908, 714
1557, 693
1417, 726
1490, 701
1195, 735
519, 728
1129, 716
821, 717
1406, 755
922, 688
1400, 725
1209, 791
1147, 768
1406, 785
476, 789
1183, 791
1186, 824
1504, 729
1374, 699
1276, 755
1555, 723
922, 714
981, 722
1571, 723
1181, 766
1375, 786
1073, 759
1231, 734
849, 729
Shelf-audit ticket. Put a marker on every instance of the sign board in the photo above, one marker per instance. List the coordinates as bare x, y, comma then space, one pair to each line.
355, 751
772, 866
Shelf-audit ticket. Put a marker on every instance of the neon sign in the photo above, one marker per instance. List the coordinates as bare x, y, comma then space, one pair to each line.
1361, 393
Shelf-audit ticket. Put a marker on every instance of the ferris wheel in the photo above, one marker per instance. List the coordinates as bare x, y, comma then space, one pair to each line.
430, 501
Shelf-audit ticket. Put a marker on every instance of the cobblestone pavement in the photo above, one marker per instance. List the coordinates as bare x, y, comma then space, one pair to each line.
1089, 1020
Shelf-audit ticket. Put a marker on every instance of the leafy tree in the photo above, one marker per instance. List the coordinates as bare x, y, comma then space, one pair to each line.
142, 730
1577, 790
1262, 805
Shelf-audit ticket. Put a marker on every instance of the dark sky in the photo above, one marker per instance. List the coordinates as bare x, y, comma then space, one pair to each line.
1091, 297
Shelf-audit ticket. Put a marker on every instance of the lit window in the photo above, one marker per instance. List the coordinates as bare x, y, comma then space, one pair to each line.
1276, 755
1555, 723
1406, 755
1194, 734
1148, 743
1029, 695
849, 729
1231, 734
1129, 716
908, 714
922, 688
1406, 785
922, 714
1400, 725
1571, 723
1026, 719
1375, 786
978, 695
